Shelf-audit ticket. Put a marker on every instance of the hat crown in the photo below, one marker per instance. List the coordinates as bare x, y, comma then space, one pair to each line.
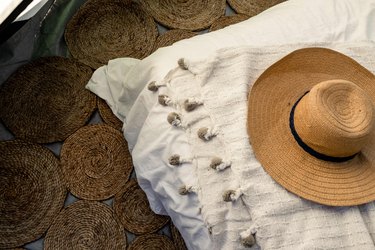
335, 118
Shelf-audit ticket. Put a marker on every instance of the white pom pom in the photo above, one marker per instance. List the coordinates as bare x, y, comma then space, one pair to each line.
174, 119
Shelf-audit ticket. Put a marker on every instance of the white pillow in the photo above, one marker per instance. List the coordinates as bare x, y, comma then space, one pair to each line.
149, 136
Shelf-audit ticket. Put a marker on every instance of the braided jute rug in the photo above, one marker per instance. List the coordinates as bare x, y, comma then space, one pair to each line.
252, 7
46, 100
107, 29
186, 15
96, 162
133, 209
107, 115
152, 242
172, 36
225, 21
85, 225
32, 192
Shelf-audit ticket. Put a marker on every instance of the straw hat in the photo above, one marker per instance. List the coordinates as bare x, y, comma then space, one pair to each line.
32, 192
310, 122
86, 225
252, 7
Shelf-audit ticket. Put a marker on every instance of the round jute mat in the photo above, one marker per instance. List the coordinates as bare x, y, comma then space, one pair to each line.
172, 36
177, 238
96, 162
86, 225
186, 15
108, 29
32, 192
107, 115
225, 21
152, 242
46, 100
133, 209
252, 7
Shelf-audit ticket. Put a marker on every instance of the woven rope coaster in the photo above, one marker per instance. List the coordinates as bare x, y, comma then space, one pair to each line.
32, 192
96, 162
225, 21
86, 225
186, 15
252, 7
133, 209
177, 238
108, 29
46, 100
107, 115
152, 242
172, 36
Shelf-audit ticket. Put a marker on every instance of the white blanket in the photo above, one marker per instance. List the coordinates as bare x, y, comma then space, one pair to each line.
279, 219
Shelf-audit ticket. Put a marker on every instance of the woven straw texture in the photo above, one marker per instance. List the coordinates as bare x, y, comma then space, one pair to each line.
107, 115
186, 15
152, 242
225, 21
336, 184
32, 192
46, 100
252, 7
86, 225
172, 36
104, 30
96, 162
133, 209
177, 238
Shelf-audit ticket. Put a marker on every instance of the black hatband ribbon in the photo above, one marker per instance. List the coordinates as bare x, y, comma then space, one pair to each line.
305, 147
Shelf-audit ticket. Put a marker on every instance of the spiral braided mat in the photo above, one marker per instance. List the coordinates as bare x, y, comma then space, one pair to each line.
85, 225
152, 242
172, 36
186, 15
96, 162
32, 192
252, 7
225, 21
107, 29
107, 115
177, 238
46, 100
133, 209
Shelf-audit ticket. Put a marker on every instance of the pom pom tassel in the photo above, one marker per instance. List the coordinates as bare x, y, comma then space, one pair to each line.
191, 104
184, 190
165, 100
207, 133
232, 195
183, 64
174, 119
247, 238
154, 86
176, 160
219, 165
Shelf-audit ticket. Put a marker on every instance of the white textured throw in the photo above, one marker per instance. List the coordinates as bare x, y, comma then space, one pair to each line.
255, 204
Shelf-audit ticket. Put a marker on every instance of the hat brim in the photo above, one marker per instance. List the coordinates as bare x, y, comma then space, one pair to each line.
270, 101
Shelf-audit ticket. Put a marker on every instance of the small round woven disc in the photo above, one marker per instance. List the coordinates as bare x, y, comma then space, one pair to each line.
133, 209
225, 21
46, 100
152, 242
32, 192
86, 225
172, 36
96, 162
177, 238
107, 115
108, 29
252, 7
186, 15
